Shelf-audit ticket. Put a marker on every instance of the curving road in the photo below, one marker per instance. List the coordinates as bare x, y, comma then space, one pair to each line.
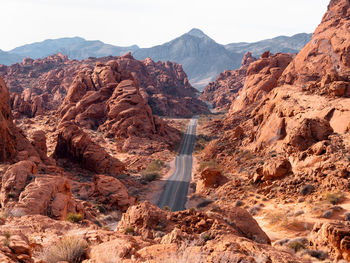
176, 188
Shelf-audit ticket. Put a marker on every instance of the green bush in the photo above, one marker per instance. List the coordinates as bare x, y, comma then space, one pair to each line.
11, 195
149, 177
152, 172
69, 248
167, 208
334, 198
296, 246
6, 241
129, 230
74, 218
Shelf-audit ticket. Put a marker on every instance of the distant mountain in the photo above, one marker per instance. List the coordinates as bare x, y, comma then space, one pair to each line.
74, 48
201, 57
282, 44
7, 58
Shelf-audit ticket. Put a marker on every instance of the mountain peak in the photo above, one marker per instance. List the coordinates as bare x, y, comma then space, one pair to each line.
197, 33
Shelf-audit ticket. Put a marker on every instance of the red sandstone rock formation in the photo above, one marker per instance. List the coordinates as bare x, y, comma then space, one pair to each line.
41, 85
288, 128
7, 138
107, 100
76, 145
224, 90
323, 65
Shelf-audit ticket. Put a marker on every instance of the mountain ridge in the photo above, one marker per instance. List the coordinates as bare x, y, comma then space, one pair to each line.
201, 56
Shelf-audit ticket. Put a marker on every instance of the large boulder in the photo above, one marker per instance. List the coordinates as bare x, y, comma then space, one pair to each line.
210, 178
276, 169
111, 192
47, 195
309, 132
73, 143
15, 180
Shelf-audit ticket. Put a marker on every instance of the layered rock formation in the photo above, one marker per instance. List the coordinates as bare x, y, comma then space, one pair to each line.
109, 100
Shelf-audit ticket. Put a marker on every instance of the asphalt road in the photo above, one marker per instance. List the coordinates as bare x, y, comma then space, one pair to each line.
176, 188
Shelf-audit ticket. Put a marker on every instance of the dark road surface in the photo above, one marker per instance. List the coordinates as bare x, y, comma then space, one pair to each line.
175, 191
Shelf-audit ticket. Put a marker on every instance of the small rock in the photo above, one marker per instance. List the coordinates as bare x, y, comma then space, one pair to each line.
327, 214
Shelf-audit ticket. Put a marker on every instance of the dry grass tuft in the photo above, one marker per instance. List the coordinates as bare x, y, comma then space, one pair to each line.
334, 198
69, 248
280, 219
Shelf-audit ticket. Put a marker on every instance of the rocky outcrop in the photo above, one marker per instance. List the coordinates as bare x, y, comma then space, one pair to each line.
25, 192
262, 77
323, 65
210, 178
224, 90
292, 131
164, 85
110, 101
76, 145
333, 237
110, 191
41, 85
146, 218
180, 235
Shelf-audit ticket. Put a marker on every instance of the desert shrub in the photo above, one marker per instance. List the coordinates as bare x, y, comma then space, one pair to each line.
201, 141
74, 218
150, 177
129, 230
206, 236
334, 198
321, 255
327, 214
280, 219
6, 241
152, 172
296, 245
11, 195
275, 217
69, 248
167, 208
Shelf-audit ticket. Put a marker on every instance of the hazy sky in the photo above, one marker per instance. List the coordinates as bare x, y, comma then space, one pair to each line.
152, 22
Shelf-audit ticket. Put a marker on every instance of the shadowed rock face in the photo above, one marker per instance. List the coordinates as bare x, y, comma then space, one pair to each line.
7, 139
76, 145
41, 85
323, 65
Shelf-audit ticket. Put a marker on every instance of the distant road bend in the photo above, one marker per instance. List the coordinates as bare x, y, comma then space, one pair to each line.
176, 189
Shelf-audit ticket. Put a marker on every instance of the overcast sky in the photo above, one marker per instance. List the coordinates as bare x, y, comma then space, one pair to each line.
152, 22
